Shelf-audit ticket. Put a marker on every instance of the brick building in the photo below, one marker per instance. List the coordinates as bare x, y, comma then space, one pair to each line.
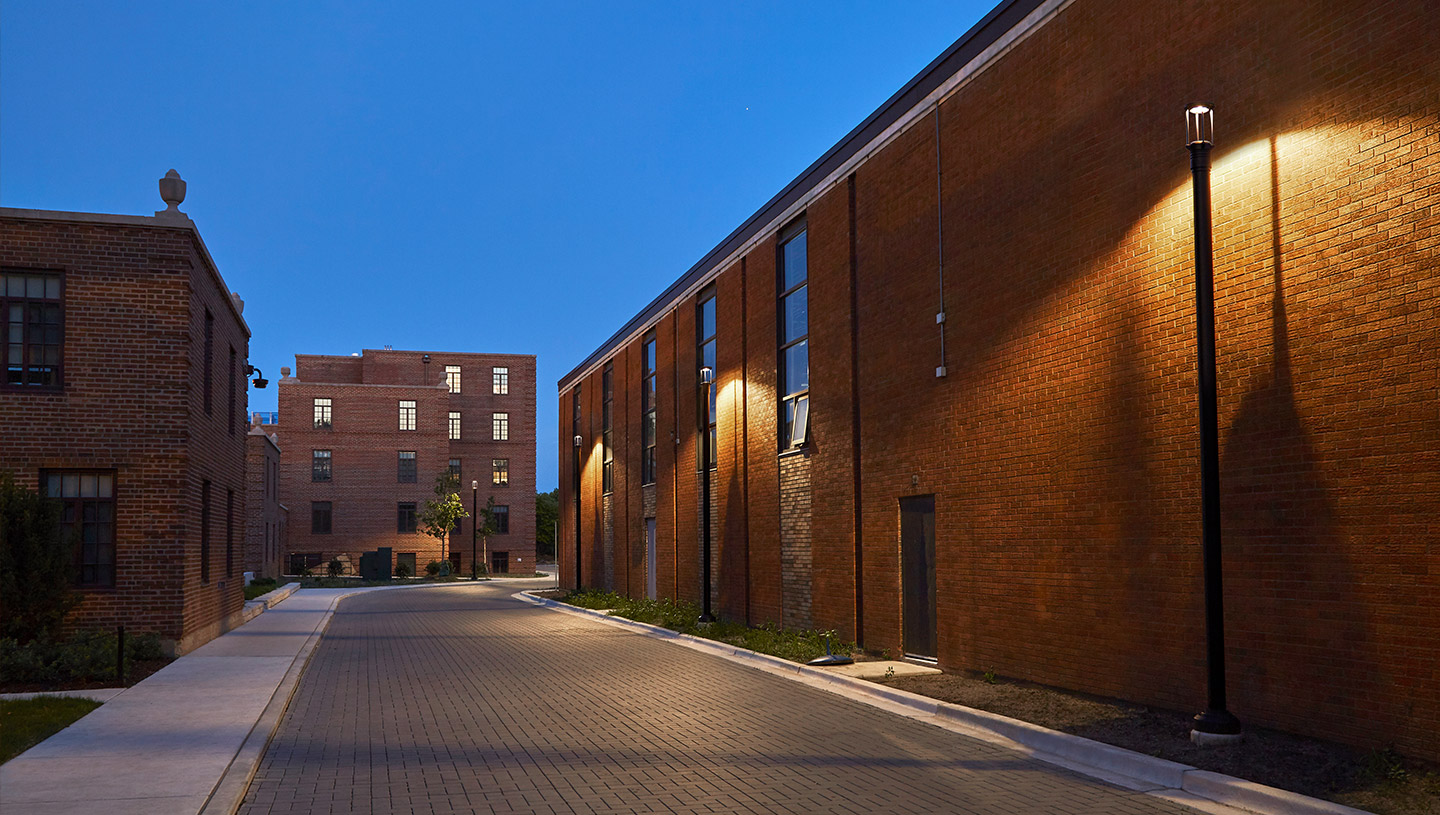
125, 397
980, 446
264, 514
364, 438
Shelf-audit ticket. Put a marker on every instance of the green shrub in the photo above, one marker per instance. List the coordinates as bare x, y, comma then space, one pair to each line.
35, 567
335, 568
402, 570
432, 568
85, 656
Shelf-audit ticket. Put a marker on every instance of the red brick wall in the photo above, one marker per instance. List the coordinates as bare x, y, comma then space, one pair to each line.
134, 301
1061, 444
262, 505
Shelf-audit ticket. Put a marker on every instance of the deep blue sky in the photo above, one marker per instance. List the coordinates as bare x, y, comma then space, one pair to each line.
517, 177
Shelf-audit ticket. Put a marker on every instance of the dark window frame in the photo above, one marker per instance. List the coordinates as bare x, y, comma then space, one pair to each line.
230, 411
452, 378
408, 414
75, 508
500, 472
324, 418
608, 424
205, 532
454, 469
28, 325
406, 473
500, 381
322, 471
229, 533
500, 426
405, 518
322, 517
794, 406
501, 514
454, 425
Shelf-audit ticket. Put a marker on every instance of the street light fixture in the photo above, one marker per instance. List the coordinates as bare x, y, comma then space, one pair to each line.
1216, 724
578, 442
474, 527
707, 379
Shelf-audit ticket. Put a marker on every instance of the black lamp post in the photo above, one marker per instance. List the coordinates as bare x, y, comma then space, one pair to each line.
707, 378
578, 442
474, 527
1216, 724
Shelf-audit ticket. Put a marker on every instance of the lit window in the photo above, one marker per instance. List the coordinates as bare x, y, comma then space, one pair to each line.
319, 517
322, 414
319, 465
608, 417
501, 381
452, 378
454, 425
34, 319
501, 514
87, 521
500, 472
407, 414
705, 355
794, 351
454, 469
405, 517
647, 411
500, 426
405, 470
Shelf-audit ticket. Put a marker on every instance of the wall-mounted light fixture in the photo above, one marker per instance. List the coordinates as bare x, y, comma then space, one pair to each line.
260, 380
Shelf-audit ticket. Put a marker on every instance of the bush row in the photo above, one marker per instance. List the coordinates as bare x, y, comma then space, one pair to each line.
84, 656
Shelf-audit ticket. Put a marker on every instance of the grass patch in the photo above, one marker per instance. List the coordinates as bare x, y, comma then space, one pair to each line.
796, 646
25, 723
259, 586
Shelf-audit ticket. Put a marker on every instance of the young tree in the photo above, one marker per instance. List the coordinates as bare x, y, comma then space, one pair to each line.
35, 564
484, 527
443, 512
547, 511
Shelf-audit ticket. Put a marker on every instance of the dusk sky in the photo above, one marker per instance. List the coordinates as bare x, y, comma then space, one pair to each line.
516, 178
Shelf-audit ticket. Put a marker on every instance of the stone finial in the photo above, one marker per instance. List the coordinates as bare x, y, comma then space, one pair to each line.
172, 191
284, 373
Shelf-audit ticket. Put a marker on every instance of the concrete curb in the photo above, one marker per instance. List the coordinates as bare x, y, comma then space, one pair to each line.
1171, 780
254, 608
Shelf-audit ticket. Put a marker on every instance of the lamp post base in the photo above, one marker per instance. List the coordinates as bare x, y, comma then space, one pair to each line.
1215, 739
705, 619
1216, 727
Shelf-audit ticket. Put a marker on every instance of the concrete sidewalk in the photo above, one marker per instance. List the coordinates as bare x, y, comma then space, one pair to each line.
163, 746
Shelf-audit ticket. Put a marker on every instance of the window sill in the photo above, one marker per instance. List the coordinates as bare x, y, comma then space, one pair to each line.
803, 449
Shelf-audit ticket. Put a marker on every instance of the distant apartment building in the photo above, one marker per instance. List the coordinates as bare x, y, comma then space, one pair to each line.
124, 398
264, 523
364, 438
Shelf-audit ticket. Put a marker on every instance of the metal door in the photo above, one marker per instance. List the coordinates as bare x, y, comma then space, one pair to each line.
917, 574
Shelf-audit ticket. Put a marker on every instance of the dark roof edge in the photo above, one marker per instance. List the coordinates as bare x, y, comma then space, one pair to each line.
982, 35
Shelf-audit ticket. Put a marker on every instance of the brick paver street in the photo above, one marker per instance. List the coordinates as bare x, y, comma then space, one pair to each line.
465, 700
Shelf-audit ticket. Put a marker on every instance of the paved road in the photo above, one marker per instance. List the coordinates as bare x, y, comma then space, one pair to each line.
464, 700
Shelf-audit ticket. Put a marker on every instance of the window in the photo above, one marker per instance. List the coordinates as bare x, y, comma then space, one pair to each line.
499, 562
705, 355
319, 465
205, 532
405, 517
319, 517
501, 514
407, 414
454, 425
30, 305
647, 411
230, 408
322, 413
500, 385
794, 325
500, 472
454, 469
608, 417
405, 467
209, 357
500, 426
452, 378
87, 521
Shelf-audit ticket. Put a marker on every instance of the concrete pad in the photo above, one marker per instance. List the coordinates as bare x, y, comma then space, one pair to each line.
878, 669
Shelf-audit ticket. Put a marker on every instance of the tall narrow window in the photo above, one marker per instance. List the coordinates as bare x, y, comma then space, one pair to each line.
794, 323
405, 517
205, 532
452, 378
500, 472
319, 465
454, 425
608, 414
322, 413
87, 521
500, 381
209, 358
229, 533
500, 426
705, 356
405, 469
501, 514
230, 412
454, 469
647, 411
320, 517
33, 316
407, 414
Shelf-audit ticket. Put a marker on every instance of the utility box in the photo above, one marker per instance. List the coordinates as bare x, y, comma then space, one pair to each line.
376, 565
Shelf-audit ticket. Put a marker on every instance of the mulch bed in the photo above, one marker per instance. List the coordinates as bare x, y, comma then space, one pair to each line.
1381, 782
135, 670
